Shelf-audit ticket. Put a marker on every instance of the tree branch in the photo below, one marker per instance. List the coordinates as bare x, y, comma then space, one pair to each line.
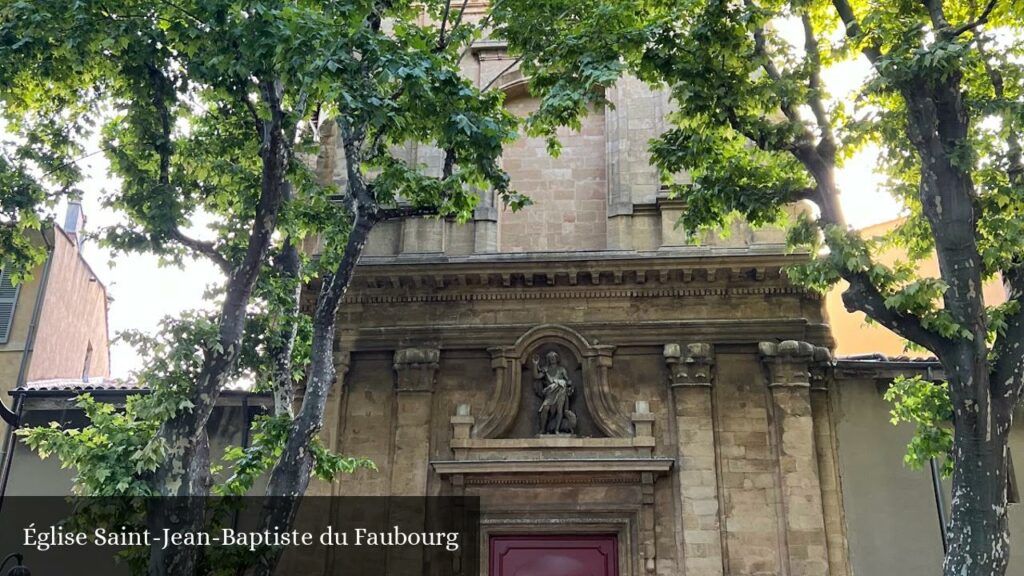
863, 296
853, 29
444, 23
502, 73
352, 140
1008, 371
482, 25
980, 20
937, 14
458, 19
1013, 144
202, 248
760, 48
449, 164
827, 146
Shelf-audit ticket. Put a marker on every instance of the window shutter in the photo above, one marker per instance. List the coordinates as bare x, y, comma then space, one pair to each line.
8, 301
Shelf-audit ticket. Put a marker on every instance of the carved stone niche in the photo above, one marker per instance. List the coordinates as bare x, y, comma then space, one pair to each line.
513, 394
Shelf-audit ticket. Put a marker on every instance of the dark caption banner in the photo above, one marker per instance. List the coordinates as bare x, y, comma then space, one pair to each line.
355, 536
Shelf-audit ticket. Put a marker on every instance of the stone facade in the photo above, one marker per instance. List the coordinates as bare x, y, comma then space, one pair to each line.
705, 405
697, 438
697, 445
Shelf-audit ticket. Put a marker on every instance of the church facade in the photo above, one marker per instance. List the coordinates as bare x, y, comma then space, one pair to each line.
623, 402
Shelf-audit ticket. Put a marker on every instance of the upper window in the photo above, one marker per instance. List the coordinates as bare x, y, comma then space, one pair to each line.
8, 302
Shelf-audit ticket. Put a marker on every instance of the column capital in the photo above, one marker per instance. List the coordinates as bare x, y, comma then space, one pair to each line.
342, 362
789, 362
416, 369
692, 365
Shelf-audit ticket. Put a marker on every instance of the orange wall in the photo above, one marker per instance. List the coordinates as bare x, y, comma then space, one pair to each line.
854, 336
74, 315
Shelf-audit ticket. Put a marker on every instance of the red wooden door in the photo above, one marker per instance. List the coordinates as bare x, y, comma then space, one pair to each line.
553, 556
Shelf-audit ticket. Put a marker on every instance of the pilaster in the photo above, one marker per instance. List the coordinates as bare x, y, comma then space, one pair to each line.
822, 379
691, 375
336, 399
788, 366
415, 376
485, 225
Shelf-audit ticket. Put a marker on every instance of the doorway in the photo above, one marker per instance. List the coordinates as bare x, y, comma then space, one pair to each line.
553, 555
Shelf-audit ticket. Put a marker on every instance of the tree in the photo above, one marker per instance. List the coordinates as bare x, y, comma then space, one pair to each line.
214, 109
757, 129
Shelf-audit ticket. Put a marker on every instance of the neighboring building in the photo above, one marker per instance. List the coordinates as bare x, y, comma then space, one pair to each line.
54, 400
55, 324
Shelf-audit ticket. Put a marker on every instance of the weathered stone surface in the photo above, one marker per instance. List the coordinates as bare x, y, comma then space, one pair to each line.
680, 450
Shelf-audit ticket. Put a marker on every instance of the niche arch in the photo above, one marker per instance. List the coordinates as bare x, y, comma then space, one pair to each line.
508, 363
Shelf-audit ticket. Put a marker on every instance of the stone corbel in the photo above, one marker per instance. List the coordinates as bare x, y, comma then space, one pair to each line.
602, 407
504, 403
416, 369
690, 366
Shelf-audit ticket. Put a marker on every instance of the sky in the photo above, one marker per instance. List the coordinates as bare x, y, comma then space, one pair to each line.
142, 292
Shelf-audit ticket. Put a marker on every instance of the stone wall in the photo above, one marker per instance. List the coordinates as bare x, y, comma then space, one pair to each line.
710, 456
569, 193
893, 525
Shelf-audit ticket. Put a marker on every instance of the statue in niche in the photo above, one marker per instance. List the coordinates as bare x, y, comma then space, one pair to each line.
551, 382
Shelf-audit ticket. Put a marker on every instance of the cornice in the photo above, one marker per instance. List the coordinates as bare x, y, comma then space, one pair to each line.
761, 254
627, 471
385, 296
682, 273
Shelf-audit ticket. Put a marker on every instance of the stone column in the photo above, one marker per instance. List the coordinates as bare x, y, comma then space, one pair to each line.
415, 375
788, 367
690, 378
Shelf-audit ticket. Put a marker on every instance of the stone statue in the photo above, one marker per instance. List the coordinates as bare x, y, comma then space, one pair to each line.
551, 382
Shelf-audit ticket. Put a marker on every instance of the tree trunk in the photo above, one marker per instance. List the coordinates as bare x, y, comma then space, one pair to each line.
291, 474
183, 479
978, 535
181, 514
281, 351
